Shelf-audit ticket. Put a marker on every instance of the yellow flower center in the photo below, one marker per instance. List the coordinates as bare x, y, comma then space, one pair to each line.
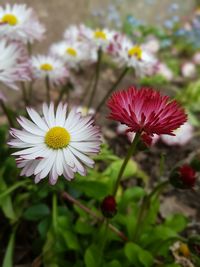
46, 67
71, 51
100, 35
135, 51
10, 19
57, 138
184, 250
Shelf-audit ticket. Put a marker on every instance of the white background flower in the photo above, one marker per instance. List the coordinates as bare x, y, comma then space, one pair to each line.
182, 136
43, 66
14, 64
18, 22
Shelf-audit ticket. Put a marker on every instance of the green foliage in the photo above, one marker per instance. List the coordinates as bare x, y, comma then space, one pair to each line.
155, 81
67, 235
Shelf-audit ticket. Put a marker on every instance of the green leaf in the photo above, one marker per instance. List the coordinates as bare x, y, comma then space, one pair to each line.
177, 222
8, 258
83, 227
70, 239
138, 256
36, 212
131, 170
92, 257
135, 193
113, 263
6, 201
145, 258
94, 189
43, 227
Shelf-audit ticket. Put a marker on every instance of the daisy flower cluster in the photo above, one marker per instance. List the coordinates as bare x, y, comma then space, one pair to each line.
81, 44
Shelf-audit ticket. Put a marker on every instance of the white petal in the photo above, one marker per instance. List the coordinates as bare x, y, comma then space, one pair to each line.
37, 119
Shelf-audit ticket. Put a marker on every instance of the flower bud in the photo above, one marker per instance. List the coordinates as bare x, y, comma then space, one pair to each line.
183, 177
108, 207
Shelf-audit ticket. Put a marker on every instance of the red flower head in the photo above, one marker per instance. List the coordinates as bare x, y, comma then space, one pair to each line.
146, 111
183, 177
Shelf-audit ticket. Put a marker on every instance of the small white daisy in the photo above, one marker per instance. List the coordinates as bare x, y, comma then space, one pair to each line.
55, 144
183, 135
73, 53
14, 65
165, 71
188, 70
72, 33
134, 56
85, 110
49, 66
18, 22
100, 38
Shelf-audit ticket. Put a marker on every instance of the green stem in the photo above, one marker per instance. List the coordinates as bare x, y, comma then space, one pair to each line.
145, 207
96, 77
159, 188
29, 48
30, 91
8, 257
140, 218
14, 187
47, 83
24, 93
113, 87
54, 212
62, 92
7, 113
87, 90
128, 156
103, 241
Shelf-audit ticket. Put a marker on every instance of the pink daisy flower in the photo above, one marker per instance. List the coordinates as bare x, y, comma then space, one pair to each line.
145, 111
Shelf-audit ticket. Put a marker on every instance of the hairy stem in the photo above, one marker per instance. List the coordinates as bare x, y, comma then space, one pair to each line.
7, 113
94, 89
128, 156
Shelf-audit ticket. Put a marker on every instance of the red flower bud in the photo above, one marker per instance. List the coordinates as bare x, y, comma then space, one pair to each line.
188, 175
183, 177
108, 207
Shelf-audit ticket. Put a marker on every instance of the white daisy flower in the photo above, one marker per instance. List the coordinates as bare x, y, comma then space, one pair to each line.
49, 66
99, 38
14, 65
183, 135
72, 53
85, 110
72, 33
188, 70
196, 58
133, 56
18, 22
55, 144
165, 71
